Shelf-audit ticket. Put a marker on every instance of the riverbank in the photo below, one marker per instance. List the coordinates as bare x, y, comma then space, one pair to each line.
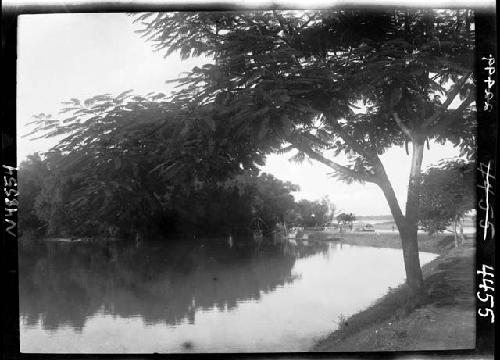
438, 243
445, 321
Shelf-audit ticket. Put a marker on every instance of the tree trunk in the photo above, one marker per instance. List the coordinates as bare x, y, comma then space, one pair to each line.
461, 225
410, 241
455, 232
408, 225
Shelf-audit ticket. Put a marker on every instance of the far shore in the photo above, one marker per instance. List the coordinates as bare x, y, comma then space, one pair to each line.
437, 243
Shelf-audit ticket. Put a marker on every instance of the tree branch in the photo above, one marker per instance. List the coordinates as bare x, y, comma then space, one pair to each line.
305, 24
453, 93
351, 142
333, 165
283, 27
449, 118
316, 139
456, 67
406, 130
277, 16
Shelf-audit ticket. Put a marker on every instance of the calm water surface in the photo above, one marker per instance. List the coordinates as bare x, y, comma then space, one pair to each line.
194, 297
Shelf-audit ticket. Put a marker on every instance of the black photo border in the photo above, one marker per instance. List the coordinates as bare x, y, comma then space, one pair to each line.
486, 40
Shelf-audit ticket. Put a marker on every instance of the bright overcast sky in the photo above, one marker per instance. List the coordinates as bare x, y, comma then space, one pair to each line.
82, 55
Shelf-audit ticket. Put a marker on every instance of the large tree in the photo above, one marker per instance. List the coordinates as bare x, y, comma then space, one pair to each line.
32, 174
447, 196
131, 165
310, 213
116, 168
346, 220
341, 81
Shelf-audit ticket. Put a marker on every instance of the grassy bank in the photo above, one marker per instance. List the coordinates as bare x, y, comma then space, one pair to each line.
445, 321
437, 243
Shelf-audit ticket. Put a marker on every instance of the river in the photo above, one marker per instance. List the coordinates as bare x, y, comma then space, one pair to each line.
203, 296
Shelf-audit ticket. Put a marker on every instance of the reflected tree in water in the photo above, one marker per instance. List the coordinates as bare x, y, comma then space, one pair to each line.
63, 284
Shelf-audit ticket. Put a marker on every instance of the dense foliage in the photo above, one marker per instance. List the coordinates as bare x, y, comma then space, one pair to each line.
310, 213
447, 195
56, 201
31, 176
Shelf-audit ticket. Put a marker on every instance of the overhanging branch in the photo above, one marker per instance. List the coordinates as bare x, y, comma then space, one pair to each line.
333, 165
352, 143
453, 93
455, 114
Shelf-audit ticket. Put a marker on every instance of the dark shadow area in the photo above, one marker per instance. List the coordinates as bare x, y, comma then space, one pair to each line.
64, 283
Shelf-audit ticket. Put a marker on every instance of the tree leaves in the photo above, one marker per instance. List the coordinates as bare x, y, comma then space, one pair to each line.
280, 65
447, 193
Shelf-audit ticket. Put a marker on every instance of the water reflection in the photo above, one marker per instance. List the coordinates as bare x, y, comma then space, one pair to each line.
157, 297
63, 284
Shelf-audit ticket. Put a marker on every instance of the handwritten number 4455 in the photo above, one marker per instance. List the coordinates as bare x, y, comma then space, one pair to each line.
483, 295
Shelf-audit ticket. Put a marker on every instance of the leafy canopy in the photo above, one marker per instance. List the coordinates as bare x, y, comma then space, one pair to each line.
354, 82
447, 194
130, 161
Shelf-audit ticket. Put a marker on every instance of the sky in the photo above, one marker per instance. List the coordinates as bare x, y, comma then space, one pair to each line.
63, 56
